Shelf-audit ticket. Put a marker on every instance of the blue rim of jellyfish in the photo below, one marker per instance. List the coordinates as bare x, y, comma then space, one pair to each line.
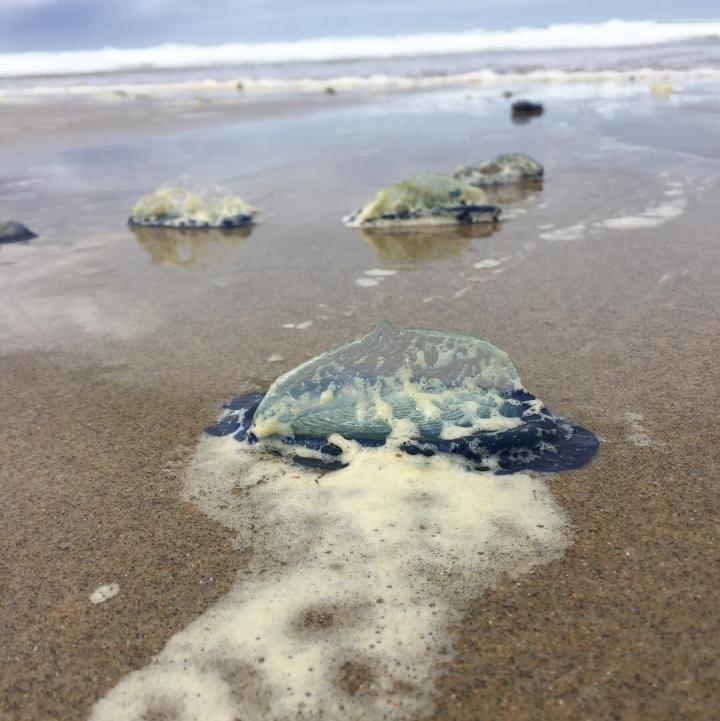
236, 221
543, 442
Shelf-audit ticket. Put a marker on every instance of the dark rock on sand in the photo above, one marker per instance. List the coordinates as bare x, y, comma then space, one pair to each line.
523, 110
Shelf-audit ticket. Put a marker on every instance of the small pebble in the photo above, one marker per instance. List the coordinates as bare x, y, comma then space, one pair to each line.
104, 593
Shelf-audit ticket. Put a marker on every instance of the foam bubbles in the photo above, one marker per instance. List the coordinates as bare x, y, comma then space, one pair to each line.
344, 608
652, 216
572, 232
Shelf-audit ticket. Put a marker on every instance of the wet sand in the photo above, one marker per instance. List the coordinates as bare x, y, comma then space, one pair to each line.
115, 352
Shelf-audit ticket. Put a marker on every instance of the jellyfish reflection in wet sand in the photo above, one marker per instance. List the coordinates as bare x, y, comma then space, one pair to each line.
409, 247
380, 486
183, 247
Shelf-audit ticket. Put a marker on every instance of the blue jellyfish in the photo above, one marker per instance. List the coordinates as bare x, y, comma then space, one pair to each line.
428, 391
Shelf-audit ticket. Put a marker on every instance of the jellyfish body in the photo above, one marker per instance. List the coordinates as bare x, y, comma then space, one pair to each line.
502, 170
13, 232
425, 391
426, 199
191, 207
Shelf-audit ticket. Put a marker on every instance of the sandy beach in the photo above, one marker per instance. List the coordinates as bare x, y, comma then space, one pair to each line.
118, 348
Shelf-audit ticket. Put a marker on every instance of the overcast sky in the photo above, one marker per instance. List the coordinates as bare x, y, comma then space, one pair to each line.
86, 24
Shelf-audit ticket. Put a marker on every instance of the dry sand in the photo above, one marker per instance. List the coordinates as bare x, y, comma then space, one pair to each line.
112, 360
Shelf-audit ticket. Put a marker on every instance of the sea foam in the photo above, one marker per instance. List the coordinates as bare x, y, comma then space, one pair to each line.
343, 610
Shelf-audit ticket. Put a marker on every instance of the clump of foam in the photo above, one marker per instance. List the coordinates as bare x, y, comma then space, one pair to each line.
428, 198
571, 232
501, 170
652, 216
186, 207
649, 218
343, 611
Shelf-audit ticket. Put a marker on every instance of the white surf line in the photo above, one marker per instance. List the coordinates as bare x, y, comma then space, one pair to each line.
343, 611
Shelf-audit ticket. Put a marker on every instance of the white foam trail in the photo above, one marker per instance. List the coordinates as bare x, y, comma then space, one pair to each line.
572, 232
613, 33
649, 218
342, 613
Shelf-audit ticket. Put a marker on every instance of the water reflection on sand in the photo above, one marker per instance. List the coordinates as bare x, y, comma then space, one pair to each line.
182, 247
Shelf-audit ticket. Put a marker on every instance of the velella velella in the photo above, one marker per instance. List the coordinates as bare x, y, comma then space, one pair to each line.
428, 198
13, 232
180, 206
429, 391
504, 169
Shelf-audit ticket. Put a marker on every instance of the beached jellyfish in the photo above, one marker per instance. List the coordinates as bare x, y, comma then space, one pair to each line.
428, 198
14, 232
188, 207
501, 170
356, 579
428, 391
